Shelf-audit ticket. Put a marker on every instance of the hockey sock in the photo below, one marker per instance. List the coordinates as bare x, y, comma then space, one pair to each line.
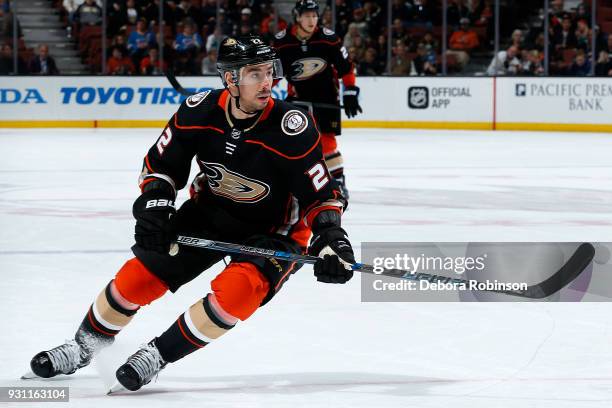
237, 292
109, 313
335, 164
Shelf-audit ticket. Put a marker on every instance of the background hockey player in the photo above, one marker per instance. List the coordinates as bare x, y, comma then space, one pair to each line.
313, 59
263, 182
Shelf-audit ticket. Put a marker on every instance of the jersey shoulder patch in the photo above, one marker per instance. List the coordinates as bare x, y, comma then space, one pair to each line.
327, 31
195, 99
290, 132
294, 122
195, 109
281, 34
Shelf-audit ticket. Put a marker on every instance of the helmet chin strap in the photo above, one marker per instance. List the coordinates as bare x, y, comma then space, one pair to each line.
237, 100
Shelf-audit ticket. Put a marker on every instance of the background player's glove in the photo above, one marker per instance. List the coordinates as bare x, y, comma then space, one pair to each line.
350, 101
333, 246
153, 210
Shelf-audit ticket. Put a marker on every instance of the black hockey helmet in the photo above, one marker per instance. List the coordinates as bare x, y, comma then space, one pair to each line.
302, 6
238, 52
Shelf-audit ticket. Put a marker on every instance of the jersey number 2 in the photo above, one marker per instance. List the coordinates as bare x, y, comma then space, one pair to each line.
318, 176
164, 140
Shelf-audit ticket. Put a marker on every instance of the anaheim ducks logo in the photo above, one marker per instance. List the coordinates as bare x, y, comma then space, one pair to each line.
232, 185
306, 68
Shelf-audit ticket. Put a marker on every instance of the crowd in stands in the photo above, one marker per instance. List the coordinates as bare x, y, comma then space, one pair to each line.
193, 30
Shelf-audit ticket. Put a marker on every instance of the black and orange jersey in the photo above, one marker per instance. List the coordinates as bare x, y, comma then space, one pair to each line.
271, 175
313, 68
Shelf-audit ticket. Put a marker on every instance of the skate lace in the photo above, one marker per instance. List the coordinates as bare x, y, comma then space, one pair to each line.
147, 362
65, 358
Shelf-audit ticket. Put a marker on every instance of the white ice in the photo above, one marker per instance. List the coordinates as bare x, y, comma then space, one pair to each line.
66, 228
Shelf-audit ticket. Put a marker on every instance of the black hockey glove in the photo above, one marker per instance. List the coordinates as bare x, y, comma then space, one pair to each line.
350, 101
153, 210
333, 246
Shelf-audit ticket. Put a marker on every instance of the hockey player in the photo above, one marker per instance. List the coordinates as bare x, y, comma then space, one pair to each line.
313, 58
263, 182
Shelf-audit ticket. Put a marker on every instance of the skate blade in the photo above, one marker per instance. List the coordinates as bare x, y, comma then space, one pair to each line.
29, 376
117, 387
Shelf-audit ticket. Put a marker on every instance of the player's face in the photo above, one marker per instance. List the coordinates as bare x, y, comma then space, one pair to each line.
256, 85
308, 21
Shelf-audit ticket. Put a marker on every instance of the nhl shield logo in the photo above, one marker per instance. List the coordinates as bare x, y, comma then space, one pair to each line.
418, 97
294, 122
236, 133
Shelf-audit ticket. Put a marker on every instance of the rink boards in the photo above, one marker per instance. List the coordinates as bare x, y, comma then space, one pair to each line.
505, 103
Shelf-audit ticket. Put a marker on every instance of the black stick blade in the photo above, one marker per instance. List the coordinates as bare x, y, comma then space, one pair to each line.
571, 270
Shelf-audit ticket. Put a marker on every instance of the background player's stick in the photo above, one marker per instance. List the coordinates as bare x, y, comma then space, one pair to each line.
185, 92
577, 263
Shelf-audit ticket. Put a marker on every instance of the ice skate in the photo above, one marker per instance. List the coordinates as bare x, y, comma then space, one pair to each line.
139, 369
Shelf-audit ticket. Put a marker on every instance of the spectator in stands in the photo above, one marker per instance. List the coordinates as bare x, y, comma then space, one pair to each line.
119, 41
43, 63
369, 66
246, 17
326, 19
430, 42
423, 14
401, 63
424, 62
564, 36
604, 65
349, 38
517, 39
359, 22
373, 16
131, 12
71, 7
583, 35
609, 44
184, 10
343, 17
139, 42
214, 40
6, 61
506, 63
119, 63
188, 42
583, 14
581, 66
209, 63
455, 12
150, 64
88, 13
532, 64
116, 17
402, 10
208, 12
381, 48
398, 31
267, 21
462, 42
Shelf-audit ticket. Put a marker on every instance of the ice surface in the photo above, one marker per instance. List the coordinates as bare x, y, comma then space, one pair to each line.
66, 227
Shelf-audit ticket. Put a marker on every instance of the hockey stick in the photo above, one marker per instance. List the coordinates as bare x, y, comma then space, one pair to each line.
309, 105
175, 83
581, 258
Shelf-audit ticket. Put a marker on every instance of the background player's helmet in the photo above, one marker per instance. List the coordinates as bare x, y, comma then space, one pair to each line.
302, 6
238, 52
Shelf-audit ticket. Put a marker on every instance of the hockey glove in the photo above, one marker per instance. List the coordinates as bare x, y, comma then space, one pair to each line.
332, 245
153, 210
350, 101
